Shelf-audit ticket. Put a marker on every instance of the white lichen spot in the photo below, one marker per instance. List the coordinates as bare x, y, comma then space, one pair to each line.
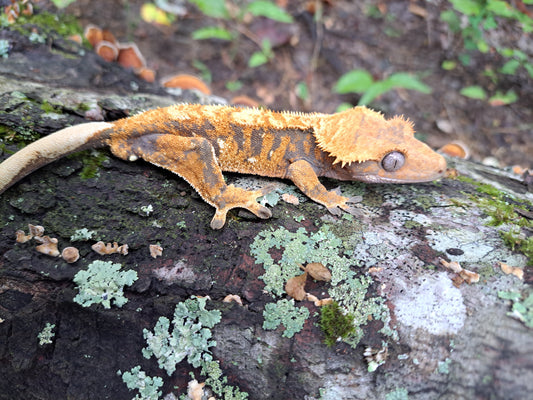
432, 304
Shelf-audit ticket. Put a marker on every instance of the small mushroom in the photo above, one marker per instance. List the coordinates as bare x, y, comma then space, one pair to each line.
464, 275
244, 101
93, 34
70, 254
508, 269
232, 297
195, 390
129, 56
107, 50
156, 250
147, 74
290, 198
184, 81
455, 149
103, 249
22, 237
295, 287
36, 230
48, 246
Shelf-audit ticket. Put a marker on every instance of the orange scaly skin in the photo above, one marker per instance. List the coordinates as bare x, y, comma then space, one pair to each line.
198, 142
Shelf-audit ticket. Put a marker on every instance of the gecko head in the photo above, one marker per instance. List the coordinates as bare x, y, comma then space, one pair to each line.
367, 147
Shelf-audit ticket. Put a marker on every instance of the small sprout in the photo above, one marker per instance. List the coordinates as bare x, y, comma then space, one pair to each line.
295, 287
195, 390
463, 275
375, 357
317, 271
507, 269
290, 198
36, 230
104, 249
48, 246
70, 254
233, 298
22, 237
156, 250
147, 209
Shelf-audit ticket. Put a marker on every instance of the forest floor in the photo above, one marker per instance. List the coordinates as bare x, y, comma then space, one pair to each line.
311, 53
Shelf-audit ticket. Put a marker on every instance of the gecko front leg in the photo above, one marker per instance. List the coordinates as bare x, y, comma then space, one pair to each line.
194, 160
304, 177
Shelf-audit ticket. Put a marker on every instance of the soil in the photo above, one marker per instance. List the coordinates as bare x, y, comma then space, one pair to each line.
381, 37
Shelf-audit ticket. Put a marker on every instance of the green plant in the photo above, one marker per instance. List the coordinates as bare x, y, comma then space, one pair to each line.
4, 48
228, 14
335, 324
483, 16
361, 81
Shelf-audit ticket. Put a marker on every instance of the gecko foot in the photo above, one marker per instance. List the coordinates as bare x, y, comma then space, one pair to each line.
344, 205
234, 197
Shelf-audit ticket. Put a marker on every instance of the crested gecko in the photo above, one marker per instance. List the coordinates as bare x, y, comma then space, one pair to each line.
198, 142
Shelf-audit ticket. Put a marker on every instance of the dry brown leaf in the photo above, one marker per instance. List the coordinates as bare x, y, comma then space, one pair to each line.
295, 287
318, 271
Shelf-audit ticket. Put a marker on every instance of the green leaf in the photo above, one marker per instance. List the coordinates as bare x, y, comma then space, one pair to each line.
452, 20
510, 67
344, 107
355, 81
529, 69
408, 81
212, 32
501, 8
467, 7
257, 59
448, 65
503, 98
302, 91
62, 3
374, 91
269, 10
212, 8
474, 92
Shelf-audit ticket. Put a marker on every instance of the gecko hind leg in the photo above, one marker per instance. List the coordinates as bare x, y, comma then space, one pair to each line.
193, 158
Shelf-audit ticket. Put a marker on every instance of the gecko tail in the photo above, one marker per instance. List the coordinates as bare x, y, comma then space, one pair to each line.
52, 147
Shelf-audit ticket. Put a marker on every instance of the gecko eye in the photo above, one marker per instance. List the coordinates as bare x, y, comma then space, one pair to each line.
393, 161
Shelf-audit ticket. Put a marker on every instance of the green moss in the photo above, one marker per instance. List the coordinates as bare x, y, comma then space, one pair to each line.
335, 323
49, 108
64, 24
92, 162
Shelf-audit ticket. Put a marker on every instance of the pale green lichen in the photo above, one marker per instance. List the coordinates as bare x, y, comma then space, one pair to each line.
323, 246
103, 282
46, 335
443, 367
285, 313
398, 394
189, 338
148, 387
522, 308
219, 383
82, 234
